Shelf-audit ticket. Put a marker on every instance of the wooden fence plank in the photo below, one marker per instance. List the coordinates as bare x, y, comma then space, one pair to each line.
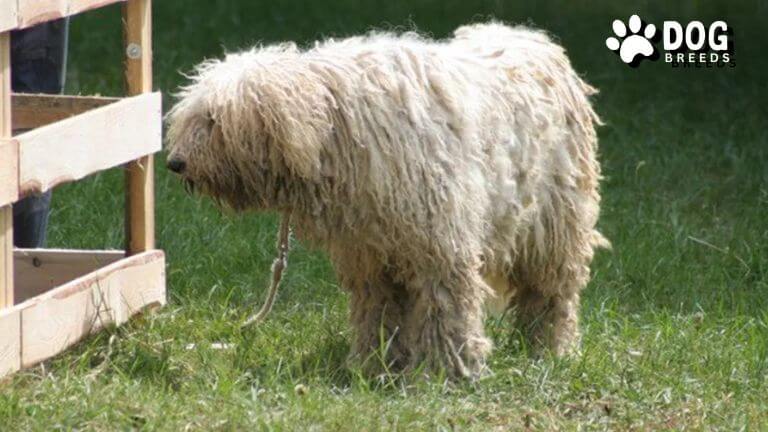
8, 14
9, 171
90, 142
26, 13
10, 341
59, 318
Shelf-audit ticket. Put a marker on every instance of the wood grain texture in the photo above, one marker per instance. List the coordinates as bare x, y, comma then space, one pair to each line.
59, 318
96, 140
9, 159
8, 14
17, 14
139, 179
140, 205
10, 341
138, 288
31, 111
6, 257
67, 295
39, 270
7, 172
5, 85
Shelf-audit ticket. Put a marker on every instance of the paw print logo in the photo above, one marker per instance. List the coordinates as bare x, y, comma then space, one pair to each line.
634, 47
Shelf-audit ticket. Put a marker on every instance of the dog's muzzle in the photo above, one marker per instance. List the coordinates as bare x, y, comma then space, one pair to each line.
176, 165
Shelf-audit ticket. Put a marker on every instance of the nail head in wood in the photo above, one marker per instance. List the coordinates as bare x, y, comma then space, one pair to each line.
133, 51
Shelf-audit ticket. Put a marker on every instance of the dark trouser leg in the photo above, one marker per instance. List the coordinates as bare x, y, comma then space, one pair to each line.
30, 221
38, 61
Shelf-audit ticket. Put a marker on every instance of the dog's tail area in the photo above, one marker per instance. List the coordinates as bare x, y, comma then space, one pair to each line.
599, 241
518, 45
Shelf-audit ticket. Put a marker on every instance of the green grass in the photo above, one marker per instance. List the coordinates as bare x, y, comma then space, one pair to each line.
675, 320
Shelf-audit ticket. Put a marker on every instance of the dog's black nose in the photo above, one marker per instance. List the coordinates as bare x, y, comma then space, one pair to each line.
176, 165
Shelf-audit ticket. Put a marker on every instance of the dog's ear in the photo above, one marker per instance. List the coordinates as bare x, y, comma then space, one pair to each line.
295, 110
270, 105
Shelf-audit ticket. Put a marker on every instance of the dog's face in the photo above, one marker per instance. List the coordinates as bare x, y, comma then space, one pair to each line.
247, 126
199, 154
192, 135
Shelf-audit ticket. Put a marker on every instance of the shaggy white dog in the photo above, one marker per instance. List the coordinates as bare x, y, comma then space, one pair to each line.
440, 176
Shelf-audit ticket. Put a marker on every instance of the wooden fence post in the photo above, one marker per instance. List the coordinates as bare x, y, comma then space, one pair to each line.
140, 199
6, 212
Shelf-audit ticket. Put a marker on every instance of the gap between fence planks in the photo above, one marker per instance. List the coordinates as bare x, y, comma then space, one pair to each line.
30, 111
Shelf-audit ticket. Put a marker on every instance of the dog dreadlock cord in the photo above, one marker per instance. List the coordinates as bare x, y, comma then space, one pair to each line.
278, 266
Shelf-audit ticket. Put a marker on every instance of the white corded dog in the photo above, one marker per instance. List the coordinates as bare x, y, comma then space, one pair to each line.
444, 178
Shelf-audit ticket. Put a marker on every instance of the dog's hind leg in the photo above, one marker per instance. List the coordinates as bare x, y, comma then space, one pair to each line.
377, 315
549, 322
445, 323
548, 302
553, 271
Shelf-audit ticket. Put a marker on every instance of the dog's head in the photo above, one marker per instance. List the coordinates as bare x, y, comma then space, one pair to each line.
248, 125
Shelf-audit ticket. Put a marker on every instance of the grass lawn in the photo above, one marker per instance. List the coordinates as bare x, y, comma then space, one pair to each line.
675, 321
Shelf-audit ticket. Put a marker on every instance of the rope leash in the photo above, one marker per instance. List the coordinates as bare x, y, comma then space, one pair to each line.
278, 266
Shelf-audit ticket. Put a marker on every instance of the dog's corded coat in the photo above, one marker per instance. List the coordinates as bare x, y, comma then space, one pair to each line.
442, 177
